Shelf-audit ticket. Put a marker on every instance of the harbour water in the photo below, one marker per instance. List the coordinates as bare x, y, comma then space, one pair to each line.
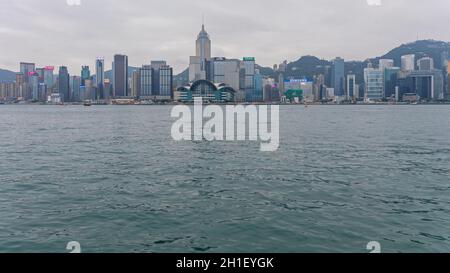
112, 178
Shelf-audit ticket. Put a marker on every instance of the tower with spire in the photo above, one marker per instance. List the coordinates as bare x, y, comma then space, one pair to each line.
198, 63
203, 45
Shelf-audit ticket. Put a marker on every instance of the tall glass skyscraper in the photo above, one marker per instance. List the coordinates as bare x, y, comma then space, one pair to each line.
351, 87
198, 63
156, 81
120, 76
100, 77
258, 94
146, 81
26, 69
374, 84
85, 74
75, 83
249, 80
390, 81
64, 84
48, 77
34, 84
166, 81
338, 76
203, 45
448, 79
136, 83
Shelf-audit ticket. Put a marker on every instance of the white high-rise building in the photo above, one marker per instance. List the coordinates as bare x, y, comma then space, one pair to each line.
386, 63
373, 79
408, 62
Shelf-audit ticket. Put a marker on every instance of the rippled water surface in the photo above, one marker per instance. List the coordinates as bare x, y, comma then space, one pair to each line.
114, 180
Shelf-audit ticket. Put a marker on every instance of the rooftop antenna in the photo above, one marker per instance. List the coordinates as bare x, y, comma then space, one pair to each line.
203, 19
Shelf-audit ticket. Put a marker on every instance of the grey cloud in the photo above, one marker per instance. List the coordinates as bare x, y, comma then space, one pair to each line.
49, 32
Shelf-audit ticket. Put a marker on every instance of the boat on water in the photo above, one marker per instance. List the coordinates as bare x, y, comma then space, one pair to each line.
87, 103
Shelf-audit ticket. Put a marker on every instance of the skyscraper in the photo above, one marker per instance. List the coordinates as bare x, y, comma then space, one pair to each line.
249, 80
425, 64
338, 76
26, 69
100, 77
156, 80
373, 79
42, 92
120, 76
198, 63
203, 45
351, 87
20, 85
136, 84
448, 79
165, 82
64, 84
428, 85
34, 84
146, 81
408, 62
75, 83
85, 74
258, 94
40, 72
390, 79
48, 78
226, 71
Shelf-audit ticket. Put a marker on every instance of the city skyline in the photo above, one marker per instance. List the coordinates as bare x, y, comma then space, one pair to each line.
236, 30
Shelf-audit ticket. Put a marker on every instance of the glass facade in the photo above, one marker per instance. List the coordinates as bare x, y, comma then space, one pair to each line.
207, 90
64, 84
48, 77
100, 77
338, 76
120, 76
249, 78
351, 82
85, 74
146, 81
390, 81
258, 94
374, 84
165, 81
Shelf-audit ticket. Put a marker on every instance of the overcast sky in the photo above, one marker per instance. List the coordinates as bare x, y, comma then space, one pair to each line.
51, 32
